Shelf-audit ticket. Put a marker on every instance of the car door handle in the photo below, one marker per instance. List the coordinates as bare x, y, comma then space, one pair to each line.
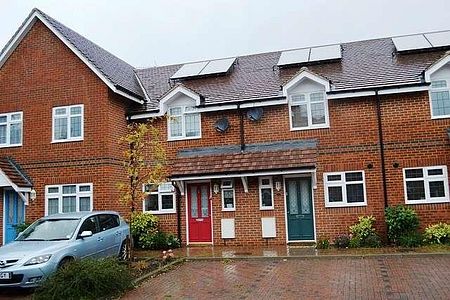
100, 239
118, 233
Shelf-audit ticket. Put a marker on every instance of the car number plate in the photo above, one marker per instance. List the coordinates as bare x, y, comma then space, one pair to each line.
5, 275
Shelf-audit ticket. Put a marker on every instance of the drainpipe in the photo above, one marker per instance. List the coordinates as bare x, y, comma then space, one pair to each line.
381, 142
241, 124
178, 203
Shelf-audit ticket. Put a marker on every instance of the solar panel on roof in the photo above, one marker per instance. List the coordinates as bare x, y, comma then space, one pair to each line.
218, 66
439, 39
411, 42
204, 68
294, 57
325, 53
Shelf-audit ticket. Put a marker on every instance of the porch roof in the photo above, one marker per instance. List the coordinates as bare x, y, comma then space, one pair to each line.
285, 155
14, 173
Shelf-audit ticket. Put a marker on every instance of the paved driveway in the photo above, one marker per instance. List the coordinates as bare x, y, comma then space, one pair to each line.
393, 277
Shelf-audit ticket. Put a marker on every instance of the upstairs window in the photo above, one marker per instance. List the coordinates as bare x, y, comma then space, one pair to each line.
183, 123
68, 198
308, 110
68, 123
426, 185
11, 129
345, 189
159, 199
440, 98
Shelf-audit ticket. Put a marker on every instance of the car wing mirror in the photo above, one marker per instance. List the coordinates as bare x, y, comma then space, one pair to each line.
86, 234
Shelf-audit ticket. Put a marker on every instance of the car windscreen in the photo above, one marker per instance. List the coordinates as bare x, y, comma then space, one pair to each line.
50, 230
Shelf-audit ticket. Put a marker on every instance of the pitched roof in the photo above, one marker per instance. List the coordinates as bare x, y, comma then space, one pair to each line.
364, 64
256, 157
14, 172
117, 72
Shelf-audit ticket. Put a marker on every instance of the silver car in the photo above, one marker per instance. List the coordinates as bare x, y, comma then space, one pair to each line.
51, 242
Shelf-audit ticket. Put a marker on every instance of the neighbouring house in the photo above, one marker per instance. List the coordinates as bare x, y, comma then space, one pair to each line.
271, 148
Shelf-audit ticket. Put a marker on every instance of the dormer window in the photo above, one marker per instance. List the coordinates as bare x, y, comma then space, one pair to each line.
440, 98
183, 123
308, 110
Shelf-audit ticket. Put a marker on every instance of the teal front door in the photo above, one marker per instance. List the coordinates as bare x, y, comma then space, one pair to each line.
300, 220
14, 214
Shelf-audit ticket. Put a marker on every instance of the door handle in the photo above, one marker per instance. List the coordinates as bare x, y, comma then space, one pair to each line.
100, 239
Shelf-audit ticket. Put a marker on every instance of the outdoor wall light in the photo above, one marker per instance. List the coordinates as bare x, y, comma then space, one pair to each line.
278, 186
33, 195
216, 188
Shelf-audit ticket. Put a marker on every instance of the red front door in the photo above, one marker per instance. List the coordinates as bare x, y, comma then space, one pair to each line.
199, 213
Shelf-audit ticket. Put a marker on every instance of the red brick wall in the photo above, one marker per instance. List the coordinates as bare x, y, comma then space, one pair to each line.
43, 73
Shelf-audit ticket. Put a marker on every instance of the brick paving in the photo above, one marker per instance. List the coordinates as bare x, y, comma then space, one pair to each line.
389, 277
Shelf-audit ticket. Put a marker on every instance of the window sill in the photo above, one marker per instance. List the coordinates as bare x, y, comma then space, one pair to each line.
310, 128
328, 205
266, 208
164, 212
412, 202
228, 209
183, 138
10, 146
67, 140
440, 117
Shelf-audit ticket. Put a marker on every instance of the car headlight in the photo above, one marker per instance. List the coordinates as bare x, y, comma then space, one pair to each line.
38, 260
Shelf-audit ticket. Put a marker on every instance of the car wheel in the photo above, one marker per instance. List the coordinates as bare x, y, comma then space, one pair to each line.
63, 263
124, 253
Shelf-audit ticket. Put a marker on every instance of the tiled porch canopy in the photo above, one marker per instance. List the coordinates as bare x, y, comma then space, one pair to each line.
229, 160
12, 176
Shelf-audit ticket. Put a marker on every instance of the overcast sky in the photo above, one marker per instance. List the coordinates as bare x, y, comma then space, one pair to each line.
161, 32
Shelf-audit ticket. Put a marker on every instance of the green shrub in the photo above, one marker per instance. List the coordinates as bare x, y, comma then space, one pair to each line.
437, 234
363, 233
323, 244
401, 221
144, 227
342, 241
410, 240
87, 279
162, 241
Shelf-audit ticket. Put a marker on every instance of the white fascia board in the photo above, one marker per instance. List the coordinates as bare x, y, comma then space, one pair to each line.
403, 90
179, 89
306, 74
146, 115
217, 108
381, 91
264, 103
248, 174
350, 95
12, 45
142, 86
436, 66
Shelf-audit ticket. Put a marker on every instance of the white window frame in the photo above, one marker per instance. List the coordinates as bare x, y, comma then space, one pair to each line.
442, 89
8, 124
161, 191
68, 116
228, 187
60, 195
183, 123
262, 186
343, 184
307, 101
427, 179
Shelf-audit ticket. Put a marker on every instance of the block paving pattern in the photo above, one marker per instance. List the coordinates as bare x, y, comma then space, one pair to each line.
394, 277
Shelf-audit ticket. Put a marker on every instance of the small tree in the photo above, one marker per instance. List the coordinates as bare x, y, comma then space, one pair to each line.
144, 161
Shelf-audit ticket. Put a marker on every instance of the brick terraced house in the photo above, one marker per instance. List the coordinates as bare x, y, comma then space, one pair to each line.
271, 148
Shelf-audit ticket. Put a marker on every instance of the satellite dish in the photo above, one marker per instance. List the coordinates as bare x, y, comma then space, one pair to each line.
255, 114
222, 125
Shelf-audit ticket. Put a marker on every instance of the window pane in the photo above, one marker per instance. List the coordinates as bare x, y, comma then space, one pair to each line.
175, 126
265, 181
205, 201
60, 128
60, 111
305, 196
69, 189
167, 201
52, 206
437, 189
299, 116
228, 199
192, 123
194, 202
434, 172
16, 117
354, 176
53, 190
3, 119
335, 194
296, 99
441, 103
175, 111
69, 204
439, 84
75, 126
166, 187
151, 202
75, 110
315, 97
2, 134
415, 190
414, 173
85, 188
334, 177
318, 113
106, 222
85, 203
355, 193
266, 197
15, 133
